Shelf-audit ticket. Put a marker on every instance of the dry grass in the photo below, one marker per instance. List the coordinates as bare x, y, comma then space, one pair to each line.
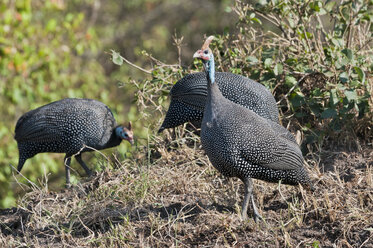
172, 196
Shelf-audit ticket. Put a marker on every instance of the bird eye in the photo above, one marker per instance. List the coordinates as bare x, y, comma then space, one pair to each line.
125, 135
206, 51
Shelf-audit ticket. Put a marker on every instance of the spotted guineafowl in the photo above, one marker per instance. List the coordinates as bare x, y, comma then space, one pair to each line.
188, 98
70, 126
240, 143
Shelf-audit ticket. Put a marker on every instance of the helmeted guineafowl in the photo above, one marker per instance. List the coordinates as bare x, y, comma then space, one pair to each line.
70, 126
188, 98
240, 143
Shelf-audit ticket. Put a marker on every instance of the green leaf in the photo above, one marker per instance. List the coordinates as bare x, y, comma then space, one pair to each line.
252, 59
79, 49
322, 11
256, 20
329, 74
291, 22
291, 61
333, 97
350, 95
360, 73
290, 80
267, 63
315, 109
51, 25
349, 54
328, 113
329, 6
341, 62
343, 77
316, 244
338, 42
297, 100
278, 69
117, 59
341, 87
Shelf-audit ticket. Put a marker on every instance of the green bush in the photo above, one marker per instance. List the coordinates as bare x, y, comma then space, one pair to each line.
316, 56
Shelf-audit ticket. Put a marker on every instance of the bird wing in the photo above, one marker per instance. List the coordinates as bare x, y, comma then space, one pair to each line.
274, 148
282, 132
195, 101
42, 128
287, 157
280, 157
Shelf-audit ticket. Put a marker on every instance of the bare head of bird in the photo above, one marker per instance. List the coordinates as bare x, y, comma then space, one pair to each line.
207, 57
205, 53
125, 133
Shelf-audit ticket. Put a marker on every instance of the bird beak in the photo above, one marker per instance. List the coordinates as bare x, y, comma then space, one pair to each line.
131, 141
197, 54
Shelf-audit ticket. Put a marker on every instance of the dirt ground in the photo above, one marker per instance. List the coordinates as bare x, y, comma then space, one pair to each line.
168, 197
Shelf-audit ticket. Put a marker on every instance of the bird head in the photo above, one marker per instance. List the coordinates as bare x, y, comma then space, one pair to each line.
205, 53
125, 133
207, 57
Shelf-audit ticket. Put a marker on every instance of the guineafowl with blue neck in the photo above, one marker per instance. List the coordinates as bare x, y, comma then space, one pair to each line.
240, 143
72, 126
188, 98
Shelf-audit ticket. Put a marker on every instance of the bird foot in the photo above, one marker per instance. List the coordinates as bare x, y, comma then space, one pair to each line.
92, 174
257, 217
243, 216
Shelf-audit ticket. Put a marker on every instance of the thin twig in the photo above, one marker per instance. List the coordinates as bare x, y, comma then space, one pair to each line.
134, 65
292, 88
33, 184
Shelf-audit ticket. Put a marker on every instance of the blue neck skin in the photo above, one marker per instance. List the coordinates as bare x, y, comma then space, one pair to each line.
210, 67
119, 132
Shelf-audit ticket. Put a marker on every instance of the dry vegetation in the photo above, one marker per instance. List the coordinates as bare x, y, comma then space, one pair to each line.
172, 196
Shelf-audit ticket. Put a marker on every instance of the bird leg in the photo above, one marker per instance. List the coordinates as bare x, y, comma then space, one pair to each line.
67, 161
249, 195
81, 162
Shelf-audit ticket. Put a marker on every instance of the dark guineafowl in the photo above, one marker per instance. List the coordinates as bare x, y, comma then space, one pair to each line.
240, 143
188, 98
70, 126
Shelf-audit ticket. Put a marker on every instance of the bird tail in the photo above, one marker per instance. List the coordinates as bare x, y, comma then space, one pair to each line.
21, 162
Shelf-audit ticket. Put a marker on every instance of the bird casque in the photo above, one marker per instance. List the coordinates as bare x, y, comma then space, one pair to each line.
240, 143
70, 126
